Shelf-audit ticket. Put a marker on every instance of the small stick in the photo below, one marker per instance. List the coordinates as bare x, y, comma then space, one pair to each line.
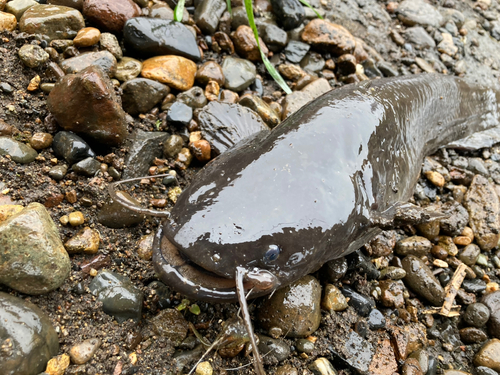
257, 360
451, 290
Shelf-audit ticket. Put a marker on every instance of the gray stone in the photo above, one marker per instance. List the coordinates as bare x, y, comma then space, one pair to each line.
144, 148
87, 167
102, 59
420, 279
156, 37
18, 7
28, 338
419, 37
278, 350
275, 38
208, 14
239, 73
18, 151
295, 51
34, 260
418, 12
142, 94
119, 296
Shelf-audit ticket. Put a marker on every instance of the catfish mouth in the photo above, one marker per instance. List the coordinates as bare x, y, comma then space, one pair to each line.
192, 280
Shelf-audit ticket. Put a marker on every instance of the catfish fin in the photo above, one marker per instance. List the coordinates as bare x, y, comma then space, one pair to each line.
224, 125
405, 213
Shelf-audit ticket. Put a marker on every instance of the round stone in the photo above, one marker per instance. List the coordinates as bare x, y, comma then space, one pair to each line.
176, 71
33, 56
86, 37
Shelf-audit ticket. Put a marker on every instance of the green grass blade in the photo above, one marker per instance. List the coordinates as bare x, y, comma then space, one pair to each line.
179, 11
309, 6
228, 2
272, 71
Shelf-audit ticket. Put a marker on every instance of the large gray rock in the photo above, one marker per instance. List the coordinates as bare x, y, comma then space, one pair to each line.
27, 337
33, 259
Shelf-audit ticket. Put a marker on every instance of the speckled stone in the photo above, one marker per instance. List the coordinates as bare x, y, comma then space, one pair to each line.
32, 56
295, 309
55, 21
31, 238
8, 22
127, 69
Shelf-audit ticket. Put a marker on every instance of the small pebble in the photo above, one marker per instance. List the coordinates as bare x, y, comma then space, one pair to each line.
84, 351
76, 218
204, 368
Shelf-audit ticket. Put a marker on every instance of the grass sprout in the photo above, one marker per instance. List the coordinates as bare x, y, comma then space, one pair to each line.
179, 11
309, 6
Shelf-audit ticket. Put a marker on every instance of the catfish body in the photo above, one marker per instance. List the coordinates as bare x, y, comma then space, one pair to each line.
313, 189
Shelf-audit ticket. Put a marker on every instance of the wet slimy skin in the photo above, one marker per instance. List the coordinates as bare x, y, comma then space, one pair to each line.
282, 203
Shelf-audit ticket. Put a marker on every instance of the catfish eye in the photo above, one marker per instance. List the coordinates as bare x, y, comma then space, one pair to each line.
272, 253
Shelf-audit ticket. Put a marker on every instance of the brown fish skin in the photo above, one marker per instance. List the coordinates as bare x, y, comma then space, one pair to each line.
282, 203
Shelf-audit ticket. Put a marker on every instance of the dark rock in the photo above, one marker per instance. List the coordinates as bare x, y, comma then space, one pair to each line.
295, 309
102, 59
71, 147
313, 62
210, 71
6, 88
335, 269
110, 15
362, 304
470, 254
476, 315
28, 338
32, 56
144, 148
376, 320
492, 301
278, 350
289, 13
354, 352
420, 279
179, 114
246, 45
142, 94
18, 151
119, 296
154, 36
295, 51
170, 323
87, 167
474, 286
274, 37
360, 262
473, 335
208, 14
457, 219
86, 103
58, 172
